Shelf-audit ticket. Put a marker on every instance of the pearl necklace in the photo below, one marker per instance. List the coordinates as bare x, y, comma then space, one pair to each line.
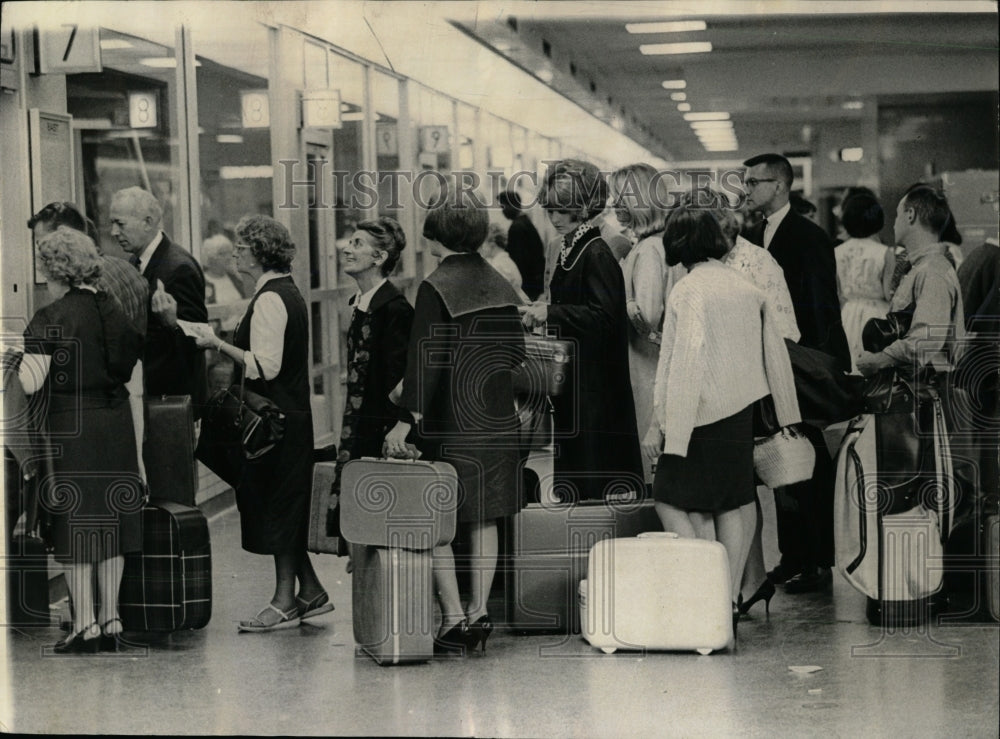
567, 248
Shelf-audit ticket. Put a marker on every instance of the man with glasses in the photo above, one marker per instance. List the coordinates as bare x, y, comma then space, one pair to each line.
805, 253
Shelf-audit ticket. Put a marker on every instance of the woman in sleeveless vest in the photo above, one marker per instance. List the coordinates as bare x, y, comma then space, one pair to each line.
271, 347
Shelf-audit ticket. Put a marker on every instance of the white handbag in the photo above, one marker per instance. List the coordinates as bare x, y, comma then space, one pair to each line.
783, 458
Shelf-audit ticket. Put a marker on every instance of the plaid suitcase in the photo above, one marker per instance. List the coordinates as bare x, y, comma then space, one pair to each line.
168, 449
168, 587
324, 512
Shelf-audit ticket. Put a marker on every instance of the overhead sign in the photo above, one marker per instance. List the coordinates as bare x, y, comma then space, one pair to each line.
434, 139
67, 49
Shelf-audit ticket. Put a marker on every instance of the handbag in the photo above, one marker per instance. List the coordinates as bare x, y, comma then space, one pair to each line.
238, 426
547, 368
879, 333
783, 458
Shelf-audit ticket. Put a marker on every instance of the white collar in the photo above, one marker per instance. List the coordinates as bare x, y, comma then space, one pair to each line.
147, 253
266, 278
773, 221
361, 301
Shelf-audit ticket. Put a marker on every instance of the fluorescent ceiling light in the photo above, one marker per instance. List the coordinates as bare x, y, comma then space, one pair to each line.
229, 138
159, 62
684, 107
545, 75
852, 105
710, 124
666, 27
706, 116
250, 172
110, 44
359, 116
684, 47
674, 84
708, 133
852, 154
727, 147
679, 97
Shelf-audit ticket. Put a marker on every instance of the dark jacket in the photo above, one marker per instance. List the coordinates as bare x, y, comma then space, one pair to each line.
526, 249
805, 253
391, 319
172, 364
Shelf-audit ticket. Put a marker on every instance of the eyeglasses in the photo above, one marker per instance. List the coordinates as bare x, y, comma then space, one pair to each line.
241, 247
752, 182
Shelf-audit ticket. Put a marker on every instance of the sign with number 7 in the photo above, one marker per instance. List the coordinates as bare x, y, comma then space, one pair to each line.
67, 48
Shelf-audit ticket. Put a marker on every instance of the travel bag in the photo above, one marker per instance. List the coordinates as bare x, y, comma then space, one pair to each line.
392, 598
398, 503
324, 512
656, 591
168, 449
547, 366
891, 520
168, 586
547, 548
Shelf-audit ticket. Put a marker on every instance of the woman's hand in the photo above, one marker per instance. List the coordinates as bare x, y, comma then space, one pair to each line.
634, 313
395, 441
869, 363
533, 315
652, 444
205, 337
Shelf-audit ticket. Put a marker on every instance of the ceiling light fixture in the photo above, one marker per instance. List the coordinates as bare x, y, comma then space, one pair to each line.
674, 84
684, 107
699, 125
852, 105
111, 44
666, 27
545, 75
706, 116
679, 97
684, 47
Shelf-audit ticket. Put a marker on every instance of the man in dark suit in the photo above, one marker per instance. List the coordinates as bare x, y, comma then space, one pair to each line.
524, 246
805, 253
172, 362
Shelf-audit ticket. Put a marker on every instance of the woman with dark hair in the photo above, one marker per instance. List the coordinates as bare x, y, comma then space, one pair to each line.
377, 339
594, 422
463, 409
79, 352
702, 430
864, 268
271, 347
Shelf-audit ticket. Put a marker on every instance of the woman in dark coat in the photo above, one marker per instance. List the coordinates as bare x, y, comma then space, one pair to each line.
595, 431
377, 340
458, 388
271, 345
79, 352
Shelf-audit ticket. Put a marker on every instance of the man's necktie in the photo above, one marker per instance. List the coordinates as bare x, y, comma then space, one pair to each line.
135, 261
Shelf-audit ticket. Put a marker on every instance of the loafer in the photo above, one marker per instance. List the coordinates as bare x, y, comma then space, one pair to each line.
810, 581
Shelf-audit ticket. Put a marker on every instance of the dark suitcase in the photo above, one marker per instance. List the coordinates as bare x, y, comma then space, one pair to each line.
547, 367
392, 603
548, 546
398, 503
168, 449
970, 565
26, 572
168, 586
324, 512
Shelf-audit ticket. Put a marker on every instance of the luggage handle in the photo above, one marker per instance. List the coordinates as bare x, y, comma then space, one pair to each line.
658, 535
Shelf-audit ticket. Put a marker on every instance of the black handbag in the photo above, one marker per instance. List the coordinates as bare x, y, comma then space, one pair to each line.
879, 333
238, 426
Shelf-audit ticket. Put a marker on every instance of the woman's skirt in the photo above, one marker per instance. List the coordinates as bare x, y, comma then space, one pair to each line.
95, 495
717, 473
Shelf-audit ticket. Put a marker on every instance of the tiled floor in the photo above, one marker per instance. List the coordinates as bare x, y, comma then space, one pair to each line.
941, 681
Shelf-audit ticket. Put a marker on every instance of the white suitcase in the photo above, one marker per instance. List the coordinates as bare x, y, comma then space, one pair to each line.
657, 591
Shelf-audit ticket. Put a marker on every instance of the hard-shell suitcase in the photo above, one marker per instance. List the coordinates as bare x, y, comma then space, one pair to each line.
392, 603
547, 548
547, 366
657, 591
398, 503
26, 573
895, 559
168, 449
168, 586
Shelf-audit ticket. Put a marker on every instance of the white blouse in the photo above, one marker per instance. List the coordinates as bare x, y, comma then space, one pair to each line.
267, 331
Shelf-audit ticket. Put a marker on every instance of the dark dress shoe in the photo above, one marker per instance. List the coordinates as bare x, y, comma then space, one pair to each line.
781, 574
810, 581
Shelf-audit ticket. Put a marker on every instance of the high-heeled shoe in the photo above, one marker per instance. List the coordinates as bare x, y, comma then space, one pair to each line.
765, 592
481, 630
736, 618
457, 640
111, 641
78, 643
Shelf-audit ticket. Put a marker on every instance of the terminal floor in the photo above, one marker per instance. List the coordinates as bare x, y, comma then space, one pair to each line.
936, 681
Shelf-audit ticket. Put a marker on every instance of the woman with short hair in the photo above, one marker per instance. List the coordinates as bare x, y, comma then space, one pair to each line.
702, 431
462, 410
271, 347
594, 421
79, 352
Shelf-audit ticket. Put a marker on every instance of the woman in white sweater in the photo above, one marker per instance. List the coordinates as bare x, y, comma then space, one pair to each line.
722, 350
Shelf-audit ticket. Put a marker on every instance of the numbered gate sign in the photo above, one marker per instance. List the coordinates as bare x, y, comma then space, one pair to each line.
142, 109
434, 139
67, 49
